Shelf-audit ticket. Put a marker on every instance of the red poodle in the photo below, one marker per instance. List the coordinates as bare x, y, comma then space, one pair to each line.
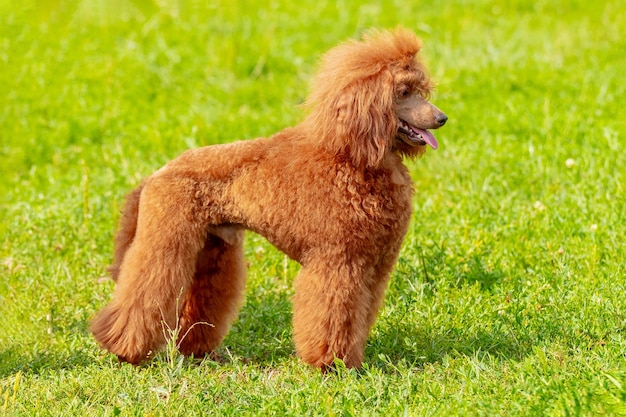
331, 192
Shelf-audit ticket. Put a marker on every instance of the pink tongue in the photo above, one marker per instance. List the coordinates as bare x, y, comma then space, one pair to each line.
428, 137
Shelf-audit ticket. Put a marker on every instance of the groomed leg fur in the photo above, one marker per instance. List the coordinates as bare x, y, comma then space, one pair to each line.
157, 268
213, 301
330, 313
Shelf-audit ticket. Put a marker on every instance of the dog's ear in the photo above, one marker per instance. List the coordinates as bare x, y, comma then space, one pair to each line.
364, 120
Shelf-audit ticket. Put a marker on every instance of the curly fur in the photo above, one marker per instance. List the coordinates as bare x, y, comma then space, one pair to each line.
332, 193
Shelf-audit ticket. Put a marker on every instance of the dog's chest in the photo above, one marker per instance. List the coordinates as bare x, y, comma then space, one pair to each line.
379, 195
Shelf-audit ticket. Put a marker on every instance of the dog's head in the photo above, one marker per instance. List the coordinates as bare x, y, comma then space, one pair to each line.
371, 97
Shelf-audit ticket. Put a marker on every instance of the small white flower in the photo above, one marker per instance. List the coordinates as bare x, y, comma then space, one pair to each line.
570, 163
539, 206
593, 227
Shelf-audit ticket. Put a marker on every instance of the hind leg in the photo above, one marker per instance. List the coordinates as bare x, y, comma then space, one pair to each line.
158, 266
213, 301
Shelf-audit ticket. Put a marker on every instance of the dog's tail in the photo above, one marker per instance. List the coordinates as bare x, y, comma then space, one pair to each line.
126, 231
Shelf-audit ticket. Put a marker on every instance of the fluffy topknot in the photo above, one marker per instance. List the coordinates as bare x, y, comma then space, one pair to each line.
351, 101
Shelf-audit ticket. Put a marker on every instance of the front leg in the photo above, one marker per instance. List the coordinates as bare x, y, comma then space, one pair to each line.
331, 309
382, 273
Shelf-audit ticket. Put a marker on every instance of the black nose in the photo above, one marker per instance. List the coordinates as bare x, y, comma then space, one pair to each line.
441, 119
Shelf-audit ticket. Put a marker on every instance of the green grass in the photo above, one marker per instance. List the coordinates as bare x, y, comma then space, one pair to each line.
508, 298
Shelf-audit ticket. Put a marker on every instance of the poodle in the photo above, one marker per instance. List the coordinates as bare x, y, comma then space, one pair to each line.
332, 193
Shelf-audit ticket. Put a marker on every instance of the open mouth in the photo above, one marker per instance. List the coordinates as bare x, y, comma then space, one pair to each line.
416, 136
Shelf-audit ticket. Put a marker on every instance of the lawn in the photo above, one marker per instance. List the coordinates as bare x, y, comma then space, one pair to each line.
509, 294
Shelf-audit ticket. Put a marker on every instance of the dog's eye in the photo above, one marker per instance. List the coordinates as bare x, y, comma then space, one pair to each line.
404, 92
